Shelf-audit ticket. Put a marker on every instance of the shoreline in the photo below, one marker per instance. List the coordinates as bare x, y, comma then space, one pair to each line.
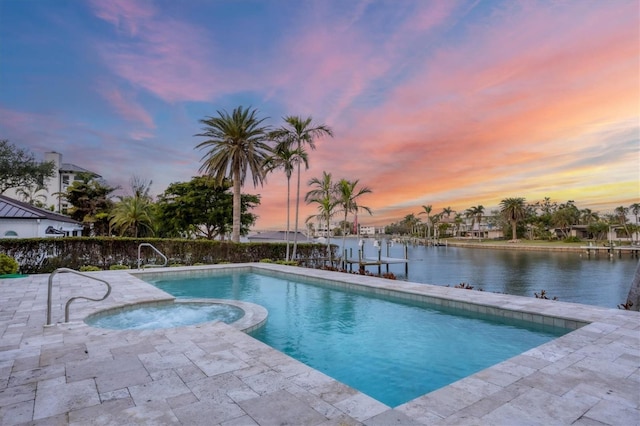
522, 245
514, 246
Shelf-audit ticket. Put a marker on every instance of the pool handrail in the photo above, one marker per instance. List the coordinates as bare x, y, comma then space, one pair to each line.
154, 249
66, 306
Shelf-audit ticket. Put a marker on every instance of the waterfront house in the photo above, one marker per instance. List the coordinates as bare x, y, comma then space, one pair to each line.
22, 220
64, 175
275, 237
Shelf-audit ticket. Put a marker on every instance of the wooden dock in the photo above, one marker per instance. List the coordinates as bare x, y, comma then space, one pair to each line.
612, 250
369, 261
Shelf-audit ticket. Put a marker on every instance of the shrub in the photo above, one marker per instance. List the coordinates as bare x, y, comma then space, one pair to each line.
266, 261
89, 268
464, 286
572, 240
286, 262
44, 255
117, 267
543, 295
8, 265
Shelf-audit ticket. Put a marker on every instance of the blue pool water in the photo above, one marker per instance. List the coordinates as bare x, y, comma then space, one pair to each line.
391, 350
141, 317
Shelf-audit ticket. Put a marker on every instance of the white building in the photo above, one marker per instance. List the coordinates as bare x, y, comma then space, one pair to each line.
321, 229
370, 230
22, 220
64, 175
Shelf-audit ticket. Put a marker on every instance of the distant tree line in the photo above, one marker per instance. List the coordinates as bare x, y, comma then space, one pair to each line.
540, 220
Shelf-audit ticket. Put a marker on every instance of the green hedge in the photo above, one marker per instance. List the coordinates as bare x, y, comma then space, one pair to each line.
44, 255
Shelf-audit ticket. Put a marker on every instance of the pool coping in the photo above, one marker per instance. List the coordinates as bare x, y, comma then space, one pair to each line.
588, 376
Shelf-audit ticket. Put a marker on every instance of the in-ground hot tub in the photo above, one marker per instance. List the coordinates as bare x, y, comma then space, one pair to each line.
178, 313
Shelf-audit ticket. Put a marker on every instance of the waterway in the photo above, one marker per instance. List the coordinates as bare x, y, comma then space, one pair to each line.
569, 276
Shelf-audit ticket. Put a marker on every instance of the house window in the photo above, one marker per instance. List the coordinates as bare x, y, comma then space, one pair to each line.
11, 234
65, 179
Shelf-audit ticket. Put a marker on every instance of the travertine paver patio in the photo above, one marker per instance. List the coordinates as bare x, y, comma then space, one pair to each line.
214, 374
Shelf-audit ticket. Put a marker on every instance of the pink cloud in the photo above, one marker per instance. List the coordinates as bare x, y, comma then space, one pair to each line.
334, 60
124, 14
127, 107
161, 55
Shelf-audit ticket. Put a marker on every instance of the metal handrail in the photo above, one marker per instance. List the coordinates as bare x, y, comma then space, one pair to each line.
66, 306
154, 249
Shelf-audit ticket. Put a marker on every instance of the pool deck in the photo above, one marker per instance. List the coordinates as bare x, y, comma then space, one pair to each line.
214, 374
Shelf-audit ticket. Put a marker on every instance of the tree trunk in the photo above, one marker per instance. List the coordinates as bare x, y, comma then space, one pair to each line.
634, 292
286, 234
237, 210
513, 230
344, 239
295, 235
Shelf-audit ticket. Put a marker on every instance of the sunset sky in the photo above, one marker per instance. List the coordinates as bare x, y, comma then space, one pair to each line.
448, 103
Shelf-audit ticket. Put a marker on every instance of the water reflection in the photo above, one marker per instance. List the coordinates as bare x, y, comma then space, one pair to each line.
570, 276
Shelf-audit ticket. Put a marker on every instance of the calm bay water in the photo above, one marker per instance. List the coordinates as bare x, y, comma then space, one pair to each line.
569, 276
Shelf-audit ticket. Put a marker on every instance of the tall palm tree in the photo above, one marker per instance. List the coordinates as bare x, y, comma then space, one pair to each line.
347, 196
479, 209
458, 223
475, 213
513, 210
621, 214
447, 211
323, 194
427, 210
285, 158
435, 220
236, 145
635, 209
300, 132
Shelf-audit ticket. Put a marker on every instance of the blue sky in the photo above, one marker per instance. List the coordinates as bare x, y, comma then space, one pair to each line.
448, 103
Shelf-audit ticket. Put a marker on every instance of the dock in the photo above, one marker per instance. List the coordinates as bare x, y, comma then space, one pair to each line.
369, 261
634, 251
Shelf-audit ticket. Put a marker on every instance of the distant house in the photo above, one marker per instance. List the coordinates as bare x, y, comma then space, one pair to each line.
275, 237
22, 220
64, 175
370, 230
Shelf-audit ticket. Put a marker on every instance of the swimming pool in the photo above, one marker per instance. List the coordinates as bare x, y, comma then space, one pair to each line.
388, 348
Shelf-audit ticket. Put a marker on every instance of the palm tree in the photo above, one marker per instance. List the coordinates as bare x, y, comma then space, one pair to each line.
236, 145
475, 212
588, 216
29, 194
458, 223
513, 210
323, 194
635, 209
621, 214
299, 132
427, 210
285, 158
447, 211
131, 214
435, 220
134, 213
347, 196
